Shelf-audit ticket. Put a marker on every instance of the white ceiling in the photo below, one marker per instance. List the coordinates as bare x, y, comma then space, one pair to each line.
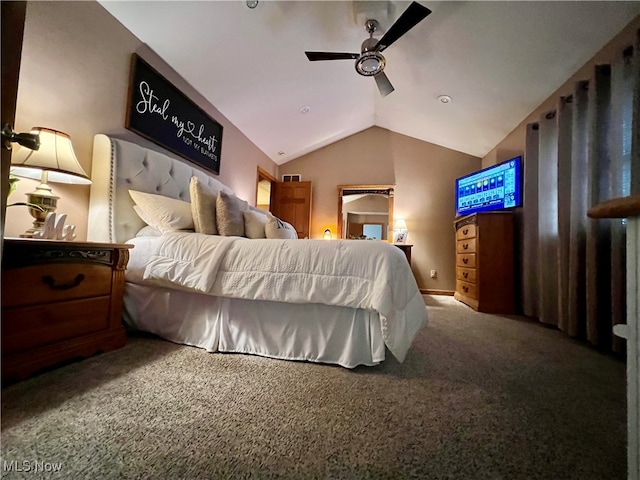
498, 60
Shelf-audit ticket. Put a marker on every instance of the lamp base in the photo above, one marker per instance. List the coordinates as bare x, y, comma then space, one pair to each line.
40, 204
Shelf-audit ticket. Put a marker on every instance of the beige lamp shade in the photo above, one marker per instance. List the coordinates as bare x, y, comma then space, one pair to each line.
400, 224
55, 156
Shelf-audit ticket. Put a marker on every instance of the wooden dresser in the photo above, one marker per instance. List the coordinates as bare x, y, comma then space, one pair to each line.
484, 262
60, 301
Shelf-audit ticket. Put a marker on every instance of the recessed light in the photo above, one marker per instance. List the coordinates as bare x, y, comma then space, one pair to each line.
305, 109
252, 3
445, 99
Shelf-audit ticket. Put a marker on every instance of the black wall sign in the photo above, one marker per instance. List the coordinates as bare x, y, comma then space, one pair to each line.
161, 113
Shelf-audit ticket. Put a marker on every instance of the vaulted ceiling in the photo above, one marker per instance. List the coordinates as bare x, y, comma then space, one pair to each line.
497, 60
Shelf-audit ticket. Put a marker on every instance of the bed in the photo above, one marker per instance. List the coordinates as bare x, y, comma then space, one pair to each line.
344, 302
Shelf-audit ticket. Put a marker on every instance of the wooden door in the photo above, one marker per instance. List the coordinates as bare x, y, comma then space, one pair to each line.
13, 14
291, 202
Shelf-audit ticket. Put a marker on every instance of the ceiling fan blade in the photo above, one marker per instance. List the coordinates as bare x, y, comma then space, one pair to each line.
315, 56
384, 85
409, 19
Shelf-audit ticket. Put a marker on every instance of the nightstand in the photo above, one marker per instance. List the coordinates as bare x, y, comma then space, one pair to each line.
406, 248
60, 301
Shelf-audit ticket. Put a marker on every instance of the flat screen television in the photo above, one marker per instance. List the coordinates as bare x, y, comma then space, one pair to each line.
498, 187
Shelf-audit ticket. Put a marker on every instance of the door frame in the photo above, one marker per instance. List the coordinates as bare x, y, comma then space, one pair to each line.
13, 18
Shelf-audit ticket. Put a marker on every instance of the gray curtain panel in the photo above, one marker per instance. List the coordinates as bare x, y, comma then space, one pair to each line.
565, 129
585, 152
529, 265
548, 220
579, 204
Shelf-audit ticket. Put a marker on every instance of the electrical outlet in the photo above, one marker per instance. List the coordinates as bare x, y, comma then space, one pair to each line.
434, 273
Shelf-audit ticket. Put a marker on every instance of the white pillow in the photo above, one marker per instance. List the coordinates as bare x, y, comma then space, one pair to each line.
278, 229
148, 231
163, 213
254, 223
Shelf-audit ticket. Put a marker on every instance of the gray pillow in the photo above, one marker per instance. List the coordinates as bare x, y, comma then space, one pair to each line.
229, 218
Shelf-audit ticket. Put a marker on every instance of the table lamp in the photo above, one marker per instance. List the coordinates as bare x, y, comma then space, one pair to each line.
54, 161
400, 230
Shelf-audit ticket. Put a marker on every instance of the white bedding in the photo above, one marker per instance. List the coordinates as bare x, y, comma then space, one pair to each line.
372, 276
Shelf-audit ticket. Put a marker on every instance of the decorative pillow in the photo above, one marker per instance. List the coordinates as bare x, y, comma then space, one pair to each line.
254, 223
163, 213
203, 207
276, 228
229, 218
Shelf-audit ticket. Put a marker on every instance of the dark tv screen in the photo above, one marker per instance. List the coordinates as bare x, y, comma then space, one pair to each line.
498, 187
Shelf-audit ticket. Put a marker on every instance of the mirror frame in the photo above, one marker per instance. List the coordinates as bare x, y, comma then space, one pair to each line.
342, 188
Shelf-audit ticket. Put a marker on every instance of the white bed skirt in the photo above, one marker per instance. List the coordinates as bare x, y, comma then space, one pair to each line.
309, 332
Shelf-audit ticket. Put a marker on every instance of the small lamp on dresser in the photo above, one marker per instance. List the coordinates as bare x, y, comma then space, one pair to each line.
54, 161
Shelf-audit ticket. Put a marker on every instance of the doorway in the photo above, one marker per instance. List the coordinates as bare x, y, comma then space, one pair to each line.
264, 188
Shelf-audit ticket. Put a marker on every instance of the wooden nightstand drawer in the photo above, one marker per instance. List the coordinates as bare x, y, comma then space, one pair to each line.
29, 327
466, 274
60, 301
466, 246
53, 283
466, 231
466, 260
467, 289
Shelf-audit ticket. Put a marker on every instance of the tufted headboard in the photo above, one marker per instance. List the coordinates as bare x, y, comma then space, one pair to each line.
119, 166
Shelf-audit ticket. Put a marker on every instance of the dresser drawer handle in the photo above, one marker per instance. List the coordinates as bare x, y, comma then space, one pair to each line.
465, 246
465, 231
465, 274
465, 260
49, 280
465, 289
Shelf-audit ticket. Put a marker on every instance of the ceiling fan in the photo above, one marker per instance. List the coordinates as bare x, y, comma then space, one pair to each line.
370, 62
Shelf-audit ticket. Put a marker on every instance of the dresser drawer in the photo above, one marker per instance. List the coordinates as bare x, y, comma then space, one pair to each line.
38, 284
466, 274
466, 231
466, 260
466, 246
467, 289
25, 328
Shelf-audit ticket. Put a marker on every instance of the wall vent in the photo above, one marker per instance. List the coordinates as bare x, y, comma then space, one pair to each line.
292, 177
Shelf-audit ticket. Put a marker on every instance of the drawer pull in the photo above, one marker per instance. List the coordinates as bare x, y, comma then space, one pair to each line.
465, 231
465, 274
465, 260
465, 246
49, 280
465, 289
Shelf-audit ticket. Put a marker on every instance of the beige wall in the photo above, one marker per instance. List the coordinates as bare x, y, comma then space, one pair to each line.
424, 176
513, 144
74, 77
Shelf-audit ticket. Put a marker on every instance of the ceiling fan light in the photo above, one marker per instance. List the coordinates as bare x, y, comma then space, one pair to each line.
370, 63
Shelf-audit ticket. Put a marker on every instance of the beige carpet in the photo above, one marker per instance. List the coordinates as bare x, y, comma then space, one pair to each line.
478, 397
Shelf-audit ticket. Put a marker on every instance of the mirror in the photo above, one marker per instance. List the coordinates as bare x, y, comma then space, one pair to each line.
365, 212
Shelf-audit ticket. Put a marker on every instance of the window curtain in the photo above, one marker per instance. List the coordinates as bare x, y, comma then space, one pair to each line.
582, 153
